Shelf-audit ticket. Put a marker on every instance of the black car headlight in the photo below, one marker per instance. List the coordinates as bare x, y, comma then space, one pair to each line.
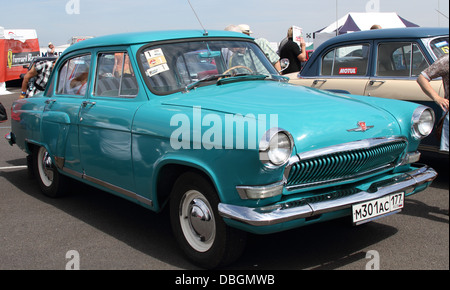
422, 122
275, 147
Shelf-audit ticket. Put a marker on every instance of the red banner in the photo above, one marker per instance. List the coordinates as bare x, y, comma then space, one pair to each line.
14, 55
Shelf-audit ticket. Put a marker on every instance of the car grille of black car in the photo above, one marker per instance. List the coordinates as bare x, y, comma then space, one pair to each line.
344, 165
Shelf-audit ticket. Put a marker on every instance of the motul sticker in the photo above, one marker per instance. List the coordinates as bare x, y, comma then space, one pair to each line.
348, 70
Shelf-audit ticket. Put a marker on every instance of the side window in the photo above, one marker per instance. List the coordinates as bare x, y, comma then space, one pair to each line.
74, 75
115, 76
400, 59
346, 61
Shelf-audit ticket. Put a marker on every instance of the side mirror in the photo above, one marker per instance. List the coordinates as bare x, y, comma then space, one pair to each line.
284, 63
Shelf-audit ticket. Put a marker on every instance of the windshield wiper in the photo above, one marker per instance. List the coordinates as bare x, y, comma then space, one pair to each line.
242, 77
205, 79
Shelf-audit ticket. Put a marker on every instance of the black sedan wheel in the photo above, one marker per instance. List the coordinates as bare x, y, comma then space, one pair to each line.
197, 226
51, 182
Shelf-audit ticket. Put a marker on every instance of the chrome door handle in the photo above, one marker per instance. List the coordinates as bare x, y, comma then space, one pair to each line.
315, 82
372, 82
49, 101
86, 103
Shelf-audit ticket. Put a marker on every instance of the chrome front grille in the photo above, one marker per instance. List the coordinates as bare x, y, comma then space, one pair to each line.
344, 161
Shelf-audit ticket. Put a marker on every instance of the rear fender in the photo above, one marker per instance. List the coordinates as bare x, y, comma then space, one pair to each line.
54, 133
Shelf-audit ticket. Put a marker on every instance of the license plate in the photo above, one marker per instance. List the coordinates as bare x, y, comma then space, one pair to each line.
377, 208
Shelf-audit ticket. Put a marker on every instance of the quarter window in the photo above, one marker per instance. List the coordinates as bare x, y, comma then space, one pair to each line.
74, 75
115, 76
346, 61
400, 59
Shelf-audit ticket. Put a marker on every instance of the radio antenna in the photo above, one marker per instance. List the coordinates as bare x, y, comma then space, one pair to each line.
198, 19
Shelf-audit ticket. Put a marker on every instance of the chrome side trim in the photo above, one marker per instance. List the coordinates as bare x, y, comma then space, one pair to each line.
110, 186
271, 215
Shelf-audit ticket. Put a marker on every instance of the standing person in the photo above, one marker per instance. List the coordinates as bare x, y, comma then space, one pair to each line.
40, 72
438, 69
264, 45
375, 27
51, 49
293, 52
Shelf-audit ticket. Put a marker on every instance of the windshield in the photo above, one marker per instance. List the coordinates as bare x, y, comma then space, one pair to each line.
438, 46
177, 66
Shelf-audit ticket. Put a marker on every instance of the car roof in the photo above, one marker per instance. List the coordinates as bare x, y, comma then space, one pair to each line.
386, 33
149, 36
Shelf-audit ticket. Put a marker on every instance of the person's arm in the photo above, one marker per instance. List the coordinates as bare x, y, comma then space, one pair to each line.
302, 56
30, 74
425, 85
277, 66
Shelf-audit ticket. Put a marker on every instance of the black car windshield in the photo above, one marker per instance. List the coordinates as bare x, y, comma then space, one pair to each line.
439, 46
173, 67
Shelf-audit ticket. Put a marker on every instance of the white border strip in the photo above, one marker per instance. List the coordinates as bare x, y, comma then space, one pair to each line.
13, 167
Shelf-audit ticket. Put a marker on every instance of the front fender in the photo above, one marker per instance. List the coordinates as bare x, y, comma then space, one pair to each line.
401, 110
187, 163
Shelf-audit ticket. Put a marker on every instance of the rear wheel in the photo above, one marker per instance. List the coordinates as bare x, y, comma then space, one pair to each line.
51, 182
202, 234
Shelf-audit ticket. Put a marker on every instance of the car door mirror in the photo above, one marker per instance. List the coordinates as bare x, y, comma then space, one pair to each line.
284, 63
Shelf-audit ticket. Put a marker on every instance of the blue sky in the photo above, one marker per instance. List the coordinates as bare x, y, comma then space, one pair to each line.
59, 20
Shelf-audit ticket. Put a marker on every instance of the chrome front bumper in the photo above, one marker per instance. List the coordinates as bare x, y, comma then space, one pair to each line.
280, 213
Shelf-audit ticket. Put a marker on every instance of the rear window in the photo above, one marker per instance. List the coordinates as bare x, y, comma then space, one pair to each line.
74, 75
346, 61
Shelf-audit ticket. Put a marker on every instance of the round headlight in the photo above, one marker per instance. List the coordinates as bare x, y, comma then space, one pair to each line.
276, 148
422, 122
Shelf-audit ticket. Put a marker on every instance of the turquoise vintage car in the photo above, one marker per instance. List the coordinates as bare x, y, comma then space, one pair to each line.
202, 123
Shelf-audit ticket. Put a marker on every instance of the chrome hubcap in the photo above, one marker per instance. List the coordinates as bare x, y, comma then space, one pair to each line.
200, 219
197, 221
45, 167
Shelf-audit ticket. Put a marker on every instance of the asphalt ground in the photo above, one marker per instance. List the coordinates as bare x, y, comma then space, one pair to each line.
98, 231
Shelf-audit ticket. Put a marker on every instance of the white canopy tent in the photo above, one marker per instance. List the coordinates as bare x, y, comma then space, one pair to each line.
355, 21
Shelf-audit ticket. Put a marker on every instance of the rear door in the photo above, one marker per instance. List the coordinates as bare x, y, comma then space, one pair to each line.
61, 114
343, 68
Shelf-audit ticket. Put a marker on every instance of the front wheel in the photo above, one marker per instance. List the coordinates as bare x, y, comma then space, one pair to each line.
197, 226
51, 182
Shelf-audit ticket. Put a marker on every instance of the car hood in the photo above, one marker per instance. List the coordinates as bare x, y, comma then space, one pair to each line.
315, 118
